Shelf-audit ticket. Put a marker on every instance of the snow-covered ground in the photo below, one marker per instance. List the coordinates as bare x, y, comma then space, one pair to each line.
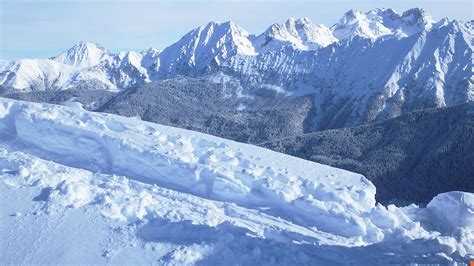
83, 187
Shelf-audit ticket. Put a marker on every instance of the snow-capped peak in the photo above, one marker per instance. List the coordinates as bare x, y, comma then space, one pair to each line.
300, 33
83, 54
382, 22
224, 45
209, 44
351, 15
356, 23
216, 34
417, 16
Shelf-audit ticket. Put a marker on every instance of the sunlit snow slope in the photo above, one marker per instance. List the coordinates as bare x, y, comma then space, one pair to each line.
83, 187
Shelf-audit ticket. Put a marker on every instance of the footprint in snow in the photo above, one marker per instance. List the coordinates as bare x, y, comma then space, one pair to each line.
115, 126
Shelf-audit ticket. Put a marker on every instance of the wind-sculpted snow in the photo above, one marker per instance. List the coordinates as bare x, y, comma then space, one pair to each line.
185, 197
186, 161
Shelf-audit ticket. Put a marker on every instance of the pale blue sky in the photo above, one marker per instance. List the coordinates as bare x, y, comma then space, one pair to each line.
40, 29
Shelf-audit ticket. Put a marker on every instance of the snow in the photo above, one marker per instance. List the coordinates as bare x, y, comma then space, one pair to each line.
455, 209
149, 58
144, 193
83, 55
380, 64
218, 44
300, 33
208, 169
132, 58
211, 44
356, 23
388, 63
41, 74
242, 107
378, 23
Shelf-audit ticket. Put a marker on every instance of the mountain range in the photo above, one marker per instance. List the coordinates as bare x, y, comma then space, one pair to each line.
288, 87
366, 67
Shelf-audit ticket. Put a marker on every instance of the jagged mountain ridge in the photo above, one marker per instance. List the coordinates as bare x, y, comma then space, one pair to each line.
361, 80
301, 33
383, 22
368, 66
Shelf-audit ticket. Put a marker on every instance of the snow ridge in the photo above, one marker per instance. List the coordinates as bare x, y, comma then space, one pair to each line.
199, 166
162, 178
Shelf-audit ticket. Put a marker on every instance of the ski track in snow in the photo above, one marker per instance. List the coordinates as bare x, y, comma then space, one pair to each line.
205, 199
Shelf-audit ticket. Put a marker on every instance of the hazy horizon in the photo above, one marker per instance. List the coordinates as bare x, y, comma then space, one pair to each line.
42, 29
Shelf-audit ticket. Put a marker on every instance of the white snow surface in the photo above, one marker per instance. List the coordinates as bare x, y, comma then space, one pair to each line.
382, 22
83, 55
42, 74
133, 192
300, 33
212, 44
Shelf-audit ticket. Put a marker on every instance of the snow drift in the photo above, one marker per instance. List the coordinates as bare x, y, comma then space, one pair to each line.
166, 185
